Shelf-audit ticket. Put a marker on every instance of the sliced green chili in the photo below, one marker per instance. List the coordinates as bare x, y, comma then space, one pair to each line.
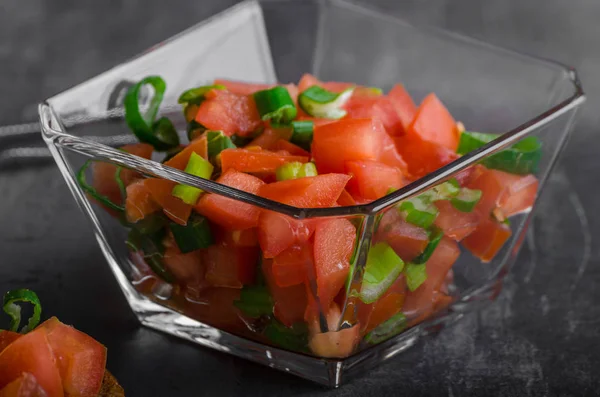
466, 200
302, 134
194, 235
295, 170
11, 307
382, 269
319, 102
195, 96
434, 239
89, 189
275, 104
415, 275
391, 327
160, 134
196, 166
521, 158
217, 142
294, 338
255, 301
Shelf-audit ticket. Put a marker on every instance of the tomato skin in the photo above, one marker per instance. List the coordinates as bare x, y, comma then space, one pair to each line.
228, 112
487, 239
407, 240
198, 146
519, 196
346, 199
333, 247
24, 386
310, 192
289, 267
372, 180
139, 202
289, 302
434, 123
391, 156
161, 193
403, 105
278, 232
230, 267
81, 360
419, 304
345, 140
242, 88
454, 223
245, 160
229, 213
294, 150
31, 353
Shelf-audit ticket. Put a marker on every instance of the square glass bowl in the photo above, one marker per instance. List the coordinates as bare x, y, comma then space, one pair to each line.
487, 88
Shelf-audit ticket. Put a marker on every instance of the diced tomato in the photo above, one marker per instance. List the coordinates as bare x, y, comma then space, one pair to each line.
434, 123
161, 192
294, 150
317, 122
242, 88
31, 353
511, 193
187, 268
227, 212
346, 199
310, 192
24, 386
198, 146
403, 105
229, 112
418, 304
391, 156
454, 223
389, 304
360, 106
346, 140
289, 267
81, 360
334, 343
290, 302
278, 232
215, 306
308, 80
373, 180
423, 157
270, 136
334, 243
139, 202
487, 239
243, 238
406, 239
6, 338
245, 160
229, 266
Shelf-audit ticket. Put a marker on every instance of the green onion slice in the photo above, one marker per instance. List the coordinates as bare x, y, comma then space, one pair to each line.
434, 240
11, 307
415, 275
295, 170
194, 235
196, 166
217, 142
196, 95
419, 211
391, 327
294, 338
160, 134
255, 301
152, 249
319, 102
521, 158
302, 134
275, 104
89, 189
466, 200
382, 269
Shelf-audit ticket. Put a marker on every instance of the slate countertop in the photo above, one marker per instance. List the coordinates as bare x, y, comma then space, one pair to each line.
539, 338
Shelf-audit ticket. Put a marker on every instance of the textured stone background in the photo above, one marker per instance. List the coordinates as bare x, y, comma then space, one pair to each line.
539, 338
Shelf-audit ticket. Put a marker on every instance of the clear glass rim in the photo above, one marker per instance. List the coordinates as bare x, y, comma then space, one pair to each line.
55, 133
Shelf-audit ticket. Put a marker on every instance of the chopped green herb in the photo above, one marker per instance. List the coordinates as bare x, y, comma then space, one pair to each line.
11, 307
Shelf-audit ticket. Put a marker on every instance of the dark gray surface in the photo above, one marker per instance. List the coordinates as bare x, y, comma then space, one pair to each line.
539, 338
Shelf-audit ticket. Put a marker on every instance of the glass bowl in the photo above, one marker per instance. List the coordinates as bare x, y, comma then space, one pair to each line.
487, 88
